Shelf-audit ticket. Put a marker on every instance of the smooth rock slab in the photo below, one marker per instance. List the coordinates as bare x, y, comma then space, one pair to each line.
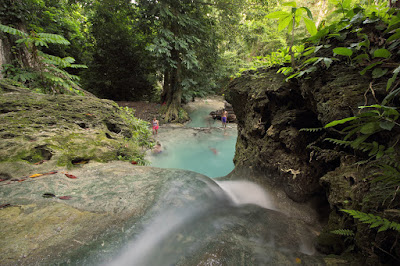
121, 214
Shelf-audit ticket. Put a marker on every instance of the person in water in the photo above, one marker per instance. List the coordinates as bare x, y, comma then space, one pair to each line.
224, 118
214, 150
155, 126
157, 148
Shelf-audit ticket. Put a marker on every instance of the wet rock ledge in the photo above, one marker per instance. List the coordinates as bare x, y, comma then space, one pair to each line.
271, 146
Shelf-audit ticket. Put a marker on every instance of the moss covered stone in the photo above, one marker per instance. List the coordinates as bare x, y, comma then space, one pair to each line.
67, 129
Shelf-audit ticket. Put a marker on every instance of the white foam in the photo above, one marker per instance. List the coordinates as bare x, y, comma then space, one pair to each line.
246, 192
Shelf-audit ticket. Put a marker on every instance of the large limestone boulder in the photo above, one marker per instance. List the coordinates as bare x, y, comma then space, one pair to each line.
121, 214
271, 113
66, 130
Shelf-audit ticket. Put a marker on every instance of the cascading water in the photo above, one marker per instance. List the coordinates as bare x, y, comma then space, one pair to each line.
220, 227
222, 223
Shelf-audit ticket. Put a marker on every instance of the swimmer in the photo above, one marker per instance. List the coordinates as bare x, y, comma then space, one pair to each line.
214, 150
157, 149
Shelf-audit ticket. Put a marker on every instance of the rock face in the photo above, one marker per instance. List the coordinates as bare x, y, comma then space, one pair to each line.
65, 130
271, 113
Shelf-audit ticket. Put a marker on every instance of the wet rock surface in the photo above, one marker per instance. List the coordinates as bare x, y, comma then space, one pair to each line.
185, 216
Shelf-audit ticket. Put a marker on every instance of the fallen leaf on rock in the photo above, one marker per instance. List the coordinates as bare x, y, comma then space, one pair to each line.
133, 162
71, 176
50, 173
35, 175
48, 195
40, 162
65, 197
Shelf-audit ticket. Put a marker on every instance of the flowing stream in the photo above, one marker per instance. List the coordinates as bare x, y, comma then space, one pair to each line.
197, 220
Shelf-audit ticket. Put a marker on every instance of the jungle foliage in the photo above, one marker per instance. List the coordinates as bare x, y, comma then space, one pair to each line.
168, 51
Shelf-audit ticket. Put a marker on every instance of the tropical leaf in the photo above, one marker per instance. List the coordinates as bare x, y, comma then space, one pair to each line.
310, 25
292, 4
284, 22
343, 51
362, 72
277, 14
395, 36
341, 121
379, 72
384, 53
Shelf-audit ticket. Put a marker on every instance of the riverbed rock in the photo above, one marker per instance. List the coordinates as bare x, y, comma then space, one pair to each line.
173, 216
228, 108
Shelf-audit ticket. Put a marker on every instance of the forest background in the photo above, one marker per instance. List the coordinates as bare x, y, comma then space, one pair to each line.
162, 51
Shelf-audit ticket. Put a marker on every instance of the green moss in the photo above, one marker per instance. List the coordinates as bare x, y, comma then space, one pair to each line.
70, 127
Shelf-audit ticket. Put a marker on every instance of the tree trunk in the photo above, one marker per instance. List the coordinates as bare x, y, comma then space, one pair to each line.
172, 90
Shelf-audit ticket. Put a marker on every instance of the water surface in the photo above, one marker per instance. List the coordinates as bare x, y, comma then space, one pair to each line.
202, 145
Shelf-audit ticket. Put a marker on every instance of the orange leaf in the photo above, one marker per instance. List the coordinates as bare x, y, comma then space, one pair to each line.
35, 175
65, 197
50, 173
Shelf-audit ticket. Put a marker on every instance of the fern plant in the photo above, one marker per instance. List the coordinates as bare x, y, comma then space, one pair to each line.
343, 232
45, 72
373, 119
375, 221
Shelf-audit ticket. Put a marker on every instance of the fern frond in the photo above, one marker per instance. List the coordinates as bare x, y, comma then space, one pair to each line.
12, 31
375, 221
53, 38
55, 60
339, 142
389, 174
311, 129
343, 232
78, 66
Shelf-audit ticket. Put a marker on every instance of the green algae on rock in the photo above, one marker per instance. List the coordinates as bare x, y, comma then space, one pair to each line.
67, 129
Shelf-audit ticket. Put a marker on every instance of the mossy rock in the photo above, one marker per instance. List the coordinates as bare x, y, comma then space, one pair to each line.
67, 129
